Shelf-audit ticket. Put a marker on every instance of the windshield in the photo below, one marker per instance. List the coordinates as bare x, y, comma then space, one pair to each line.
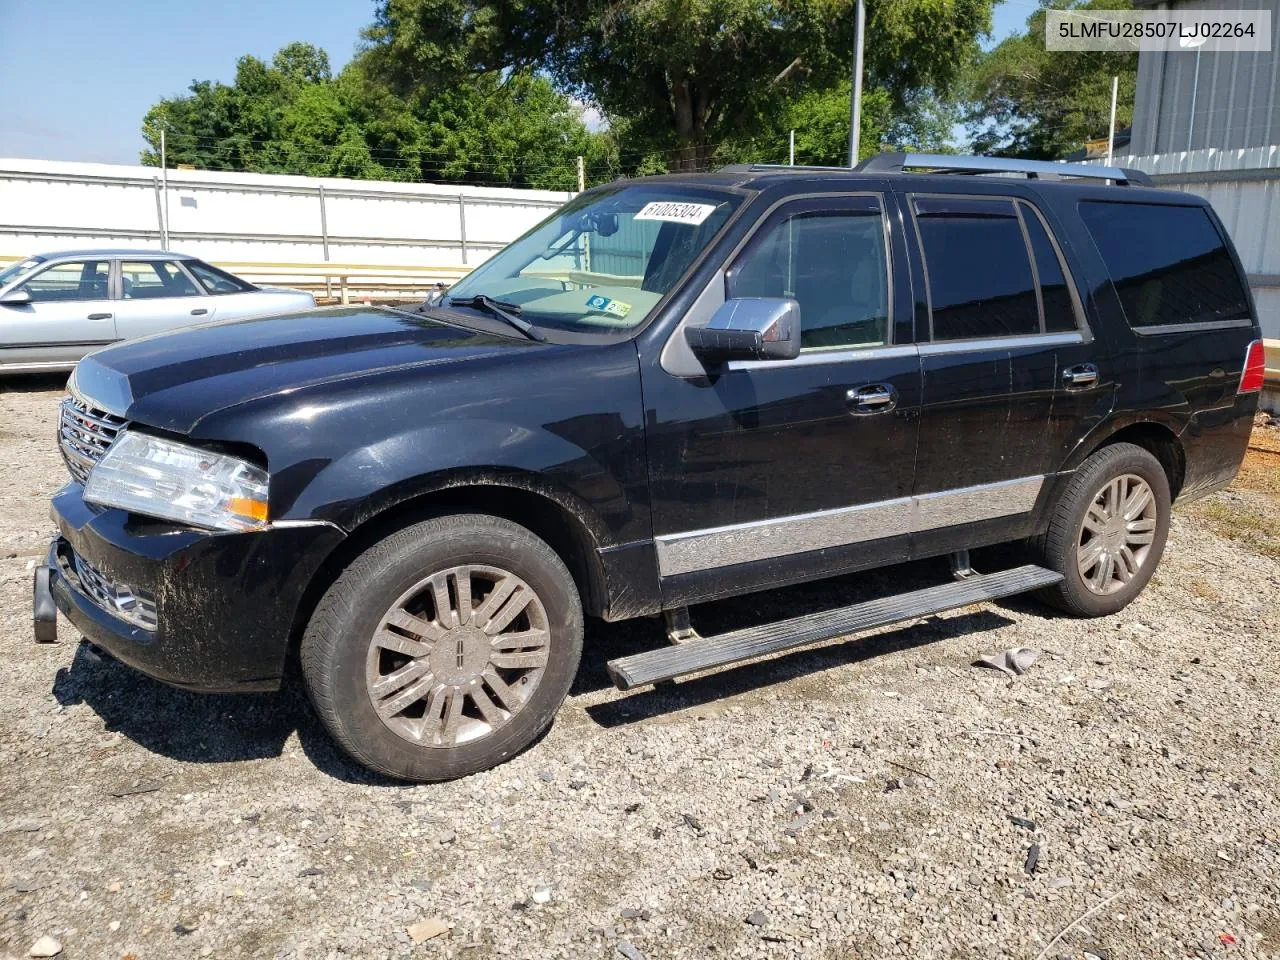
18, 271
605, 259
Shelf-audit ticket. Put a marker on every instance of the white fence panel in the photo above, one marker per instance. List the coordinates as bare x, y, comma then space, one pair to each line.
238, 217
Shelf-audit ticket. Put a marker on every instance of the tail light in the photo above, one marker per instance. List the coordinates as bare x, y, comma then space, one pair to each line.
1255, 368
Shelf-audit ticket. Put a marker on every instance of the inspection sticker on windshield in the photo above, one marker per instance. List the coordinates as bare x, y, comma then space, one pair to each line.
605, 305
673, 212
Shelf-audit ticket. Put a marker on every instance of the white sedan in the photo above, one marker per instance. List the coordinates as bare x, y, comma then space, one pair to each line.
56, 307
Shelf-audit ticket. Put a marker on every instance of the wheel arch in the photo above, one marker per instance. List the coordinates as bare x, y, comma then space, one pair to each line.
565, 525
1157, 438
1160, 439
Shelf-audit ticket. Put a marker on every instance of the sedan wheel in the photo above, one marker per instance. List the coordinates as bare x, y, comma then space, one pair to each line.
1116, 534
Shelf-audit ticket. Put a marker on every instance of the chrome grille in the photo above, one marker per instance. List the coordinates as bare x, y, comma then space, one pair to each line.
84, 434
135, 606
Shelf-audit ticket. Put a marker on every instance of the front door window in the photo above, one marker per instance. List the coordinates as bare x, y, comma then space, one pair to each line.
833, 263
72, 281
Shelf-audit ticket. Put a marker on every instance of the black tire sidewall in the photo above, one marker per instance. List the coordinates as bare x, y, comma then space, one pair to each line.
390, 569
1093, 475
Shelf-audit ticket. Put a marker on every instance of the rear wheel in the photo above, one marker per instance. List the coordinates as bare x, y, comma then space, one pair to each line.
1107, 531
445, 649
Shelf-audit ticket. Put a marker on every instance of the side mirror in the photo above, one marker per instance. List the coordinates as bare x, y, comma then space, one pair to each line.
15, 298
749, 328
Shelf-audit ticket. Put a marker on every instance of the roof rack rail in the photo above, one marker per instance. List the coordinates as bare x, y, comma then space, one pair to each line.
1049, 169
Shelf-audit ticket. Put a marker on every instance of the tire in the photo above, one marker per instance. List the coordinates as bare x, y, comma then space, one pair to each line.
458, 690
1117, 472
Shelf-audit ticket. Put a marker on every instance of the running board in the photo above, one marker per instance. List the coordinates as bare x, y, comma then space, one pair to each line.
667, 663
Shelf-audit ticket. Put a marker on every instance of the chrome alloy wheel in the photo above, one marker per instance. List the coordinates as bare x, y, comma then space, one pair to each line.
1116, 535
457, 655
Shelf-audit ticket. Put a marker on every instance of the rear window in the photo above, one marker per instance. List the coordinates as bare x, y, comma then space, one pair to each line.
217, 281
1169, 263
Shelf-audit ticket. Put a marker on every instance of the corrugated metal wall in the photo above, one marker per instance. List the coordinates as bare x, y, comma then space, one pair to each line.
1192, 101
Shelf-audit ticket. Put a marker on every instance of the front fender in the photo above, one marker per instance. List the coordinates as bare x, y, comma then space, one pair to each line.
437, 456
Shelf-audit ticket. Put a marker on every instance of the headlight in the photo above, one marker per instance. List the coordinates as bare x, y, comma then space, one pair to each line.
173, 481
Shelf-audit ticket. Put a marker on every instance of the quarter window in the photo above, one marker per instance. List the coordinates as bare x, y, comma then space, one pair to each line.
833, 263
1169, 263
979, 274
150, 279
76, 280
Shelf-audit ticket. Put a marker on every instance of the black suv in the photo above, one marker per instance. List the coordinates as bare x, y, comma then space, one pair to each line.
673, 390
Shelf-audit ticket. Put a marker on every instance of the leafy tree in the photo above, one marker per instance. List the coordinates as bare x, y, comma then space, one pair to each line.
684, 74
1030, 102
294, 116
820, 119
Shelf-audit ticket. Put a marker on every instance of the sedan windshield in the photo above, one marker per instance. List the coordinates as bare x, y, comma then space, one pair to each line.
604, 260
18, 271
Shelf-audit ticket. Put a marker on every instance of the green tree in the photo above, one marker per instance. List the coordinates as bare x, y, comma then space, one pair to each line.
684, 75
1030, 102
294, 116
820, 119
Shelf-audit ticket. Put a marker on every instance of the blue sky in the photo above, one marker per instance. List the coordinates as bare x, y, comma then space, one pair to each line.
79, 75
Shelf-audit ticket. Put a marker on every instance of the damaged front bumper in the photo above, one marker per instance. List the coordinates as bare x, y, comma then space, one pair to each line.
197, 609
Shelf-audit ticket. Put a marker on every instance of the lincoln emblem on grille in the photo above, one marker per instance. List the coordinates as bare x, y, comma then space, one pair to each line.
84, 435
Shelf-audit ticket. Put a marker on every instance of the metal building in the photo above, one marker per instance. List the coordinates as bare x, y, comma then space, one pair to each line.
1189, 100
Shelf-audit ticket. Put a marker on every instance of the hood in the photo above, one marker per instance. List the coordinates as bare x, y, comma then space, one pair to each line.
173, 380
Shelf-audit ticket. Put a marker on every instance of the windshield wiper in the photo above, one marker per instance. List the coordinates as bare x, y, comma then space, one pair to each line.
507, 312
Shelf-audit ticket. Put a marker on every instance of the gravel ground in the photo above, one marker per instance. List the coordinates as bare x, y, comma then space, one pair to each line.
876, 798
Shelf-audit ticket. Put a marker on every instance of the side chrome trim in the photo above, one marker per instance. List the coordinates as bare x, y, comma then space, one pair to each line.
987, 501
765, 539
1194, 327
809, 358
289, 524
1002, 343
694, 550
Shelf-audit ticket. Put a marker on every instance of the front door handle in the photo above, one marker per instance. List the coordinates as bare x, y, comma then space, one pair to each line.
1080, 376
199, 312
872, 398
99, 316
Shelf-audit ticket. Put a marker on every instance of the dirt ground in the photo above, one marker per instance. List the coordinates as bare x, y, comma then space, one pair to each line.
880, 797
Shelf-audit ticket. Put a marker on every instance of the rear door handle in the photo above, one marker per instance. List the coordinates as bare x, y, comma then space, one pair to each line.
99, 316
872, 398
199, 312
1080, 376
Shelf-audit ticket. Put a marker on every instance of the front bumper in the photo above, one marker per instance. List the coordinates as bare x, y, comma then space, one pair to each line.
225, 603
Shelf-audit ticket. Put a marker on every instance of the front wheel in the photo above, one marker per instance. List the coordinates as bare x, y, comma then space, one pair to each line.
1107, 531
445, 649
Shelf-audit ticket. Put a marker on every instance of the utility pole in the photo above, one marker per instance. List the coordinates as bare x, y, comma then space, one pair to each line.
1111, 135
164, 181
793, 148
582, 175
855, 105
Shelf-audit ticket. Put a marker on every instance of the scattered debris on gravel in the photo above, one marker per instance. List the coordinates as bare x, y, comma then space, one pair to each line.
871, 798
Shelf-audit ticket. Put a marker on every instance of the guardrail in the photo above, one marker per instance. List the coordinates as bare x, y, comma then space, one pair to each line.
338, 281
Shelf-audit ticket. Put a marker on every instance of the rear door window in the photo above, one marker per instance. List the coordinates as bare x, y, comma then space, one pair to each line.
152, 279
979, 273
1169, 263
1059, 308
